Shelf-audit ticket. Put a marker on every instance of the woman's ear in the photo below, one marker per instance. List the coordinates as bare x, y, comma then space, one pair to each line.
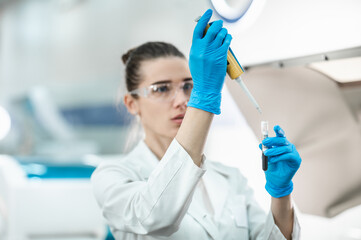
131, 104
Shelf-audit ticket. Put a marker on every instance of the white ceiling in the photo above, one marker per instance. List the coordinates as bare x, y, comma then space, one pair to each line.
287, 29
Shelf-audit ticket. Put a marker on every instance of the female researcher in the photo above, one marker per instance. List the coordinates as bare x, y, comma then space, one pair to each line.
165, 188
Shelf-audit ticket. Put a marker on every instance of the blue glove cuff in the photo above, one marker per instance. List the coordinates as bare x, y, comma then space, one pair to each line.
209, 102
277, 192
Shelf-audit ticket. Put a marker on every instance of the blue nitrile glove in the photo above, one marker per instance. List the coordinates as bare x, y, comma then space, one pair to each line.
283, 163
208, 64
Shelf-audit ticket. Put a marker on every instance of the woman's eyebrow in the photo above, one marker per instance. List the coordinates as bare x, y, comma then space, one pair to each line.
161, 81
168, 81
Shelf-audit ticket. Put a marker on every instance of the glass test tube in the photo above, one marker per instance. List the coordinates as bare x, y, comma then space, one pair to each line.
264, 129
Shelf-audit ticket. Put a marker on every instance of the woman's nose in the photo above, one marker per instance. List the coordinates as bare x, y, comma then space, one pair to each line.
180, 98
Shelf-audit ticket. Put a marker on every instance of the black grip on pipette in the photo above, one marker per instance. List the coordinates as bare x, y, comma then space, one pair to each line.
264, 162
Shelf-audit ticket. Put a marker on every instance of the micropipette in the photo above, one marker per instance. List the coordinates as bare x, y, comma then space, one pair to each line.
234, 70
264, 129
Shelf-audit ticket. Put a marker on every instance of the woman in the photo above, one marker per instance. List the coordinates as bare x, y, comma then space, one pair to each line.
165, 188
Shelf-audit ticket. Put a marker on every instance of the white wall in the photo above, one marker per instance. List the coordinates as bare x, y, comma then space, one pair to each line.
81, 42
77, 41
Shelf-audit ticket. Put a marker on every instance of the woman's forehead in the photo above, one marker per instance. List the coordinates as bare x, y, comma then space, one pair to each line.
164, 69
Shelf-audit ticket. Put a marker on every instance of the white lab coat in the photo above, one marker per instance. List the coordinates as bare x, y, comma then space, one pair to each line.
143, 198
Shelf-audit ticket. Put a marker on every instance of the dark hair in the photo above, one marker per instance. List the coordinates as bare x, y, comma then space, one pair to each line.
147, 51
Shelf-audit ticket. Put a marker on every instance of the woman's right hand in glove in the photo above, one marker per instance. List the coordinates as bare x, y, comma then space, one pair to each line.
208, 64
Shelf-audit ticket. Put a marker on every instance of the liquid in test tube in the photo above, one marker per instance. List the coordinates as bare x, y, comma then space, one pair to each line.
264, 129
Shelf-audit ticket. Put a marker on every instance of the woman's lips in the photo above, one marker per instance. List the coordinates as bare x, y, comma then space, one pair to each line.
178, 119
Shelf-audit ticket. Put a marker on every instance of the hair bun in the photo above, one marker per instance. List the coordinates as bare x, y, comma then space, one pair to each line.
126, 56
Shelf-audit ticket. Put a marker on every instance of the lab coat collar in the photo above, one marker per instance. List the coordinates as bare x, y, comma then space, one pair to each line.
146, 158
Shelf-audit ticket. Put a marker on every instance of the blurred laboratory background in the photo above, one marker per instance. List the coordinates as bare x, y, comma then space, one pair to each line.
61, 114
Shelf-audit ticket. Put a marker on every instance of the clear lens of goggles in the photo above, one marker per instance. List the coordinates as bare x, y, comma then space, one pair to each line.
165, 91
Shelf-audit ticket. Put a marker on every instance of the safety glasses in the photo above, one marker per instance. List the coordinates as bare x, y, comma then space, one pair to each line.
164, 92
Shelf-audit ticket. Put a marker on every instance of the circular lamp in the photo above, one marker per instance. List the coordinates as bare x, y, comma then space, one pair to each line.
231, 10
238, 15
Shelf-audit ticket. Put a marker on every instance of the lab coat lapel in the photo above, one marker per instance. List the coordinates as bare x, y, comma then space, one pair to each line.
215, 184
217, 188
196, 211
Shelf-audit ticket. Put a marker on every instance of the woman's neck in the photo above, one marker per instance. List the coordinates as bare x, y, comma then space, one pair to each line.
158, 144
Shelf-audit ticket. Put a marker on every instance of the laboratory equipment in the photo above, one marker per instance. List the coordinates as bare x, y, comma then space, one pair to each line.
231, 11
48, 201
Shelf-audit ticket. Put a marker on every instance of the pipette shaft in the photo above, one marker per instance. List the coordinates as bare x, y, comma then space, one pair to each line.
235, 70
248, 93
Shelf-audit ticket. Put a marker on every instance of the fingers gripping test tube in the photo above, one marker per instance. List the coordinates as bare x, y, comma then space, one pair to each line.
264, 129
